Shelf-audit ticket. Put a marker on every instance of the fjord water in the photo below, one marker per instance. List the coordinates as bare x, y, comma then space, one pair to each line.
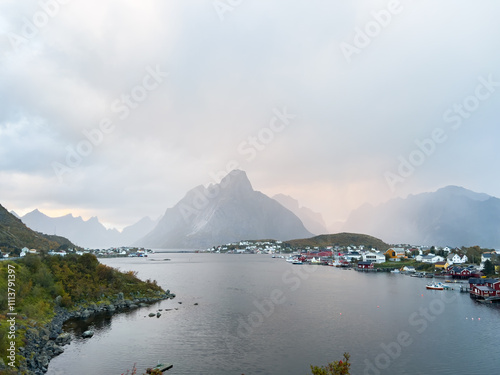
390, 324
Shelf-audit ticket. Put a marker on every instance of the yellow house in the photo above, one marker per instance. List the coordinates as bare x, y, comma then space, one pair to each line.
441, 265
396, 253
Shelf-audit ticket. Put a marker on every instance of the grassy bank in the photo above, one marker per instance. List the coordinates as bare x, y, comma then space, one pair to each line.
39, 280
419, 266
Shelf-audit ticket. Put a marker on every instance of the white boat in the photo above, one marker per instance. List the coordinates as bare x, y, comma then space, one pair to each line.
291, 259
435, 286
395, 271
296, 261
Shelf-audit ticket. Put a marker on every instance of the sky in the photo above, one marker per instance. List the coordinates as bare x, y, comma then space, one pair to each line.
117, 108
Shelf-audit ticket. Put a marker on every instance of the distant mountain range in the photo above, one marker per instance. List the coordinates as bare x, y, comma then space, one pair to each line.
233, 211
313, 221
15, 234
451, 216
222, 213
87, 233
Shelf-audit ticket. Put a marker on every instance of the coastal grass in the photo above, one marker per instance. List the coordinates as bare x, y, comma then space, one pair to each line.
419, 266
74, 280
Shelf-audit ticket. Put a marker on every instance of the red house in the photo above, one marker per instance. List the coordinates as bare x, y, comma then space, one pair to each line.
458, 272
483, 288
365, 265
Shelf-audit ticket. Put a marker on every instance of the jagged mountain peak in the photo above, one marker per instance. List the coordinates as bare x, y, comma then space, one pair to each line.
236, 179
226, 212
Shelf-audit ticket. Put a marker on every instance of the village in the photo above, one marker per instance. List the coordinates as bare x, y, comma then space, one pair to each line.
473, 266
452, 264
100, 253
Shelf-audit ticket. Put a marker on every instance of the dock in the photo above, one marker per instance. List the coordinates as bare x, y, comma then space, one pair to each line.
490, 299
465, 288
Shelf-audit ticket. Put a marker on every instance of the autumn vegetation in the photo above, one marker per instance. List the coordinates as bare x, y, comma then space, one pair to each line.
78, 280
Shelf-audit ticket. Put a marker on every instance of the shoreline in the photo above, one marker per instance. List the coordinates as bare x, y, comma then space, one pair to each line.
48, 341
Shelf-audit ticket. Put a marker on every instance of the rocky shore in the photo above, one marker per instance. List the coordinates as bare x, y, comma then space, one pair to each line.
46, 342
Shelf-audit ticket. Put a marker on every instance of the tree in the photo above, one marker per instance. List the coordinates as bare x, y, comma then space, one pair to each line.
441, 253
473, 254
334, 368
489, 268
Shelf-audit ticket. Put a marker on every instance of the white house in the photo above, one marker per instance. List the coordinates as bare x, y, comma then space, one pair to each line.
373, 257
431, 258
353, 255
456, 259
408, 269
486, 256
60, 253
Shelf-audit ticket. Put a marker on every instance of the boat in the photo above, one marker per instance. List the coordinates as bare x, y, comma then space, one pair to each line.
395, 271
297, 261
435, 286
291, 259
417, 274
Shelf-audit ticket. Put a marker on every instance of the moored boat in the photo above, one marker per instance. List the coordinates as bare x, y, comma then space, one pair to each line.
435, 286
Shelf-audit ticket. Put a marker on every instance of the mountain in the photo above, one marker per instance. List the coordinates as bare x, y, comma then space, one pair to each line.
341, 239
15, 214
133, 232
90, 233
451, 216
15, 234
221, 213
313, 221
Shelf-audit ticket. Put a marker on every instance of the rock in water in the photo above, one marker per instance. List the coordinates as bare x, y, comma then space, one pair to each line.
87, 334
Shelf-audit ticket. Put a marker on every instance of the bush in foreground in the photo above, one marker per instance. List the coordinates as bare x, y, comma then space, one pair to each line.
334, 368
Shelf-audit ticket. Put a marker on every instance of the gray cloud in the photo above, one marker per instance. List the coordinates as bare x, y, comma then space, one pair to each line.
354, 119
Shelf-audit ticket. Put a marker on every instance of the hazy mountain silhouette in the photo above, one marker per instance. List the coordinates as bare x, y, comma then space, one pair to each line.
313, 221
221, 213
451, 216
15, 234
87, 233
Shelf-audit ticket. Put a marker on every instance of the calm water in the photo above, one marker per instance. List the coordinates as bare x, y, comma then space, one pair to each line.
258, 315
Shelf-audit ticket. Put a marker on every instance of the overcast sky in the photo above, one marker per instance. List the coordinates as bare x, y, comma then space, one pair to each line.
116, 108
